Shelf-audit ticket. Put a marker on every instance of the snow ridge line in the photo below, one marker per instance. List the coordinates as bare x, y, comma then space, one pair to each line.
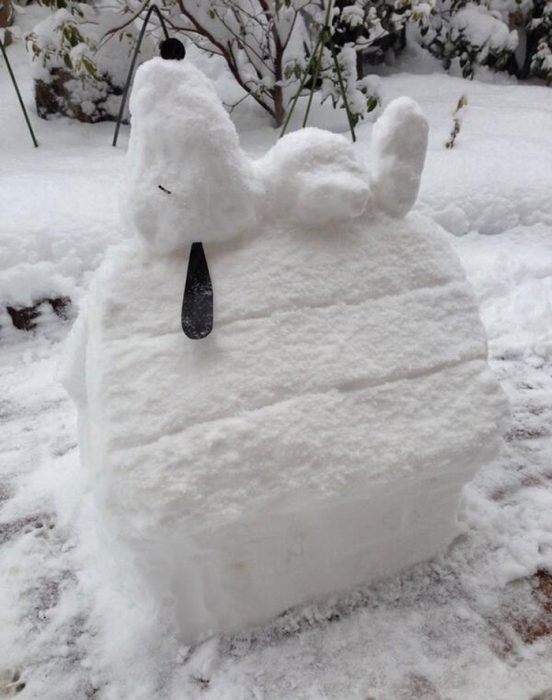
459, 282
352, 301
344, 388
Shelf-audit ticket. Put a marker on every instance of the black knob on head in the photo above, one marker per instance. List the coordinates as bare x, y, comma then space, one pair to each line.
172, 49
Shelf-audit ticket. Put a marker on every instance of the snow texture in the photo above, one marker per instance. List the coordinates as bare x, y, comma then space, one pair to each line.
320, 437
182, 141
317, 175
398, 154
482, 29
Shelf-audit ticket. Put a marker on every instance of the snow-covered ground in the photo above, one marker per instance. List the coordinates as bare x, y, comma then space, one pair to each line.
476, 623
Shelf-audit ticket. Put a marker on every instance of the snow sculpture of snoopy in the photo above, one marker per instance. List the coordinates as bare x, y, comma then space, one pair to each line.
319, 437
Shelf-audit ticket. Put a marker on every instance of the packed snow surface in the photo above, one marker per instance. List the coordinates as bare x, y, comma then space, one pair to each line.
398, 153
321, 435
317, 175
188, 179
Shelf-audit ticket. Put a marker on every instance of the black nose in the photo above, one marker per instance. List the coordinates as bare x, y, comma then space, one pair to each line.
197, 305
172, 49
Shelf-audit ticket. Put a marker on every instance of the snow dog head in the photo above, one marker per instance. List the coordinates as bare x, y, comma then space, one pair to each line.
189, 179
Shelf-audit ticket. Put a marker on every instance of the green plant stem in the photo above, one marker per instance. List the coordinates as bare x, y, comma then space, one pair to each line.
317, 56
343, 93
313, 85
12, 76
325, 28
301, 86
153, 8
319, 46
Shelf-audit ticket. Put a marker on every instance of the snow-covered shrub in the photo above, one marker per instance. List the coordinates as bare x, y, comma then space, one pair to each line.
502, 34
82, 51
267, 46
541, 62
466, 33
373, 26
262, 42
362, 94
265, 43
354, 27
539, 30
6, 20
532, 20
73, 76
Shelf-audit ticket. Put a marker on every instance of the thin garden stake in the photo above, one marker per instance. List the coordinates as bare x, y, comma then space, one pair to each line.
313, 89
12, 76
324, 38
314, 62
301, 86
153, 8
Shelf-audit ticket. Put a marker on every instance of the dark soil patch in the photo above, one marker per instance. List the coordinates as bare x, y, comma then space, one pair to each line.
532, 629
24, 317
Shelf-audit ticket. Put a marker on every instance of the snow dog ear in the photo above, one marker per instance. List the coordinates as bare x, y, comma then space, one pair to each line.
312, 177
399, 144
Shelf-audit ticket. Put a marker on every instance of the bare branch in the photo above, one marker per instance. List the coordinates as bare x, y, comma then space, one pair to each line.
228, 55
109, 34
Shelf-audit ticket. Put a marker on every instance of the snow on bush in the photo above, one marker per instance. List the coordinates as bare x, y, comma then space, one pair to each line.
357, 28
468, 35
541, 63
541, 60
502, 34
73, 74
83, 50
266, 46
374, 26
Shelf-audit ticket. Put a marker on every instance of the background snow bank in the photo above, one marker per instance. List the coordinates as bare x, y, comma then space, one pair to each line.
499, 173
58, 203
514, 282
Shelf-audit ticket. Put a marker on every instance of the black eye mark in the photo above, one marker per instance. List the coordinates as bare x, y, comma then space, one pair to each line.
163, 189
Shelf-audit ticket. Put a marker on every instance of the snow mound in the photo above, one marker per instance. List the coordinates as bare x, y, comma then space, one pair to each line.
320, 436
317, 175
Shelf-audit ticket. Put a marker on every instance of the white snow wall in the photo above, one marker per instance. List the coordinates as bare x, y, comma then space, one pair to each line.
321, 435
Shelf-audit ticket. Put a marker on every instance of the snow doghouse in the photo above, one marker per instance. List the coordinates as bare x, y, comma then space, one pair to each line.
319, 437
